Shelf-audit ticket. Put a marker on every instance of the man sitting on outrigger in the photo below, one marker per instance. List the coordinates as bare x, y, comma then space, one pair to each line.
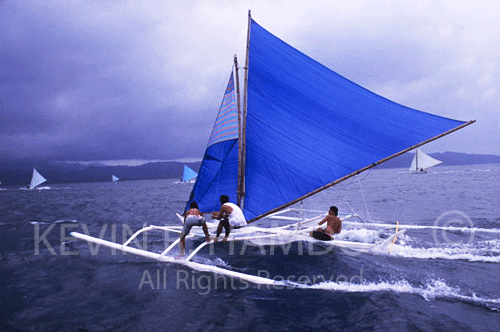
333, 225
230, 216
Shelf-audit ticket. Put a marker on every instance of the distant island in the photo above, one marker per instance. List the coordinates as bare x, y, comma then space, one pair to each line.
69, 172
19, 173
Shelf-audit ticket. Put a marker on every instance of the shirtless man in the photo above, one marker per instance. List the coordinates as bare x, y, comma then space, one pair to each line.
333, 223
230, 216
192, 217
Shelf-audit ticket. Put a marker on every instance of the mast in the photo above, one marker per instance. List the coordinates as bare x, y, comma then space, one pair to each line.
416, 160
331, 184
242, 137
240, 120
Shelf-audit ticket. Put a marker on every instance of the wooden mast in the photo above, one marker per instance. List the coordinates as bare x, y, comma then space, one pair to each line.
240, 116
242, 137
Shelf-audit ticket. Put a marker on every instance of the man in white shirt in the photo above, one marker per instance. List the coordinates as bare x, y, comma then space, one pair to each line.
230, 216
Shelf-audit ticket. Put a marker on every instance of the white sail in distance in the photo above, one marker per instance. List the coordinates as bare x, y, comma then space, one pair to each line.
36, 179
114, 178
422, 161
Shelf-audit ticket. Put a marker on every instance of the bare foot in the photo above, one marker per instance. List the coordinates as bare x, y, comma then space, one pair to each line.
216, 239
208, 238
224, 239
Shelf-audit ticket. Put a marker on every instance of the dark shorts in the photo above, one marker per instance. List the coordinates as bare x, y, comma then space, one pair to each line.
321, 235
190, 222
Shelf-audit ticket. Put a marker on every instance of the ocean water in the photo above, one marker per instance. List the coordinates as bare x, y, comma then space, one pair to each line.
433, 279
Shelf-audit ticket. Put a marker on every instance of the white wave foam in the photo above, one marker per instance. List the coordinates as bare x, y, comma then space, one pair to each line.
214, 262
65, 220
435, 289
358, 235
465, 230
473, 254
38, 222
53, 222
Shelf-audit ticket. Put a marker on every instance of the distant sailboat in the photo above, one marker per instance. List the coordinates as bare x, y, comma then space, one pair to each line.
421, 162
36, 179
114, 178
189, 175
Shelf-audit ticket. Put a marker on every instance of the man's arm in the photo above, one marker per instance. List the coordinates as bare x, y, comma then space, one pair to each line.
323, 221
217, 215
223, 213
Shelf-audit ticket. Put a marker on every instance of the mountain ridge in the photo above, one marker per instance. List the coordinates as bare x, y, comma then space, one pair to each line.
19, 173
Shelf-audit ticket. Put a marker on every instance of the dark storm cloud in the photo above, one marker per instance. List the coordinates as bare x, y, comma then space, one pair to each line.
77, 87
119, 79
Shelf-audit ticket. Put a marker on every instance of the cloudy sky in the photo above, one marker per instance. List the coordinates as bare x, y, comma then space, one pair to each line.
84, 80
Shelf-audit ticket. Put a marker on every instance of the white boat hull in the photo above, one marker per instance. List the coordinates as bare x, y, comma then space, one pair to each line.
269, 236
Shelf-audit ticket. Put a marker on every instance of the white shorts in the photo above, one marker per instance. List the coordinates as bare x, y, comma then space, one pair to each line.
190, 222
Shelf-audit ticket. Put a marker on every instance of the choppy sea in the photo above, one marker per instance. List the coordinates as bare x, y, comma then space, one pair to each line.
431, 279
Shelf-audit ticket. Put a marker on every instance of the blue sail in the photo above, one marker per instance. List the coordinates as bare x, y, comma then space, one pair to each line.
218, 173
188, 174
308, 126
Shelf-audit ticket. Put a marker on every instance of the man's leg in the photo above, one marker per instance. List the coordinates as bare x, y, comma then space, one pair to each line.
227, 228
205, 230
182, 245
223, 223
219, 229
186, 228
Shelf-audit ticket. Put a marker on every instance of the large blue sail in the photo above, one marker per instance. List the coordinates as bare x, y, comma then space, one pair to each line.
307, 126
218, 173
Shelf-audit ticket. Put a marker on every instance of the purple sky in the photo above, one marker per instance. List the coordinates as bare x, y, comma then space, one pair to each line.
120, 80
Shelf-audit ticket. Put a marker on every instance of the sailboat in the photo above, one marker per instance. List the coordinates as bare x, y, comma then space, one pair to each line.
36, 180
300, 128
421, 162
114, 178
189, 175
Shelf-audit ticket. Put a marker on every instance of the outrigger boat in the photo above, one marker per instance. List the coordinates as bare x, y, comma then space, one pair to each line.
302, 128
260, 236
189, 175
36, 180
421, 162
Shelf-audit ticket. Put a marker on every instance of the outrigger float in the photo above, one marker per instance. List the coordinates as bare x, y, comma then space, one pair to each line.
301, 128
280, 235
